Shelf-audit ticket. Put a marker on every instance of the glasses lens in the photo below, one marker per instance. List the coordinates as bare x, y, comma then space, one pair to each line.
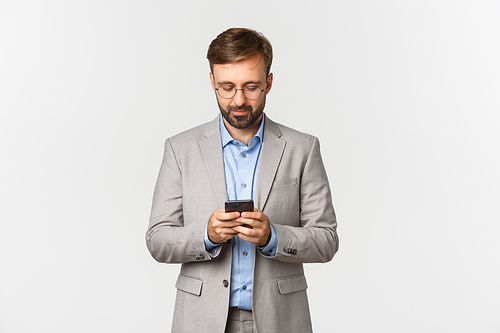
252, 92
226, 91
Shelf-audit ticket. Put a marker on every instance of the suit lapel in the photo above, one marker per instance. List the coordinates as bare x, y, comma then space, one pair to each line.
211, 148
270, 158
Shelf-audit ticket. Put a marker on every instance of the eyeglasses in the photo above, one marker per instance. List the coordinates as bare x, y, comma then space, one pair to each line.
228, 91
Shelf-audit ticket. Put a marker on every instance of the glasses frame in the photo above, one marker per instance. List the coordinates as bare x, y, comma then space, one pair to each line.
236, 90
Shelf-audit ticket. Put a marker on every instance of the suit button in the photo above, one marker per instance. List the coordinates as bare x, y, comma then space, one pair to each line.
199, 256
225, 283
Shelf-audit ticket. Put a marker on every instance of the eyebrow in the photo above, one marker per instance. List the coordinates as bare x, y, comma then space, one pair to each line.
244, 84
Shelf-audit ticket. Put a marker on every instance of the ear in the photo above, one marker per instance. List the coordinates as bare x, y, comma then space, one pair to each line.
269, 82
212, 81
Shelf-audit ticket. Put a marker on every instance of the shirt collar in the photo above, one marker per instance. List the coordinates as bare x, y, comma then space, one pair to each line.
227, 138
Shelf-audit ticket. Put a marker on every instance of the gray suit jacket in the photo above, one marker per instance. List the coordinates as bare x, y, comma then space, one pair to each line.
292, 190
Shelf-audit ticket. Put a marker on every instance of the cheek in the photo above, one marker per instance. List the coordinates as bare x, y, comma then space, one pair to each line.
222, 103
259, 104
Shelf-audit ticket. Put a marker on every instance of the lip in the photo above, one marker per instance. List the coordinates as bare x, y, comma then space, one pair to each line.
239, 113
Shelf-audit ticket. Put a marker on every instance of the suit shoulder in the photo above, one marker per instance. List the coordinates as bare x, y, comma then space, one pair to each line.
189, 133
190, 136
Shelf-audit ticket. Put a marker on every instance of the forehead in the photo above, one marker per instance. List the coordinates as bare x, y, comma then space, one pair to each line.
251, 69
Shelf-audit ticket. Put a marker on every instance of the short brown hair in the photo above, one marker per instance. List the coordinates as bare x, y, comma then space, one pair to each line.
237, 44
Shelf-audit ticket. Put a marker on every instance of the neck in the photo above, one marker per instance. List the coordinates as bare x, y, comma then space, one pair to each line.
243, 134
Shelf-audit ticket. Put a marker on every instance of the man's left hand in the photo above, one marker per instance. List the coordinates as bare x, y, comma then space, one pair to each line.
255, 227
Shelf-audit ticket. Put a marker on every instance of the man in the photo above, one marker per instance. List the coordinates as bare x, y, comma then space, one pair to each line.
242, 272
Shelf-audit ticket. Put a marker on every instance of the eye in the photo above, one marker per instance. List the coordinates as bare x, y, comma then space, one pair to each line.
251, 88
226, 88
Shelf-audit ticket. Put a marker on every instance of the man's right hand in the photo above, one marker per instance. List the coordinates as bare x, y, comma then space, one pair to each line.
220, 226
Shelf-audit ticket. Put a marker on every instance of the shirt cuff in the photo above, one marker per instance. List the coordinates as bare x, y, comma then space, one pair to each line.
209, 246
270, 249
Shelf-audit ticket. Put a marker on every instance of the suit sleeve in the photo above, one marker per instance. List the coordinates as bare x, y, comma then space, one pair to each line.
168, 238
316, 239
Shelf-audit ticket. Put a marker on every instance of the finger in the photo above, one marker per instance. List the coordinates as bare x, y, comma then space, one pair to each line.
246, 231
220, 235
246, 238
222, 216
257, 222
243, 220
252, 237
253, 215
225, 224
228, 231
255, 236
248, 223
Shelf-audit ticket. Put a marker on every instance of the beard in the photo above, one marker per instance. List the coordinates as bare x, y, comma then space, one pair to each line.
245, 121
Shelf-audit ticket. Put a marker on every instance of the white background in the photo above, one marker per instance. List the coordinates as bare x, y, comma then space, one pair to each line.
403, 95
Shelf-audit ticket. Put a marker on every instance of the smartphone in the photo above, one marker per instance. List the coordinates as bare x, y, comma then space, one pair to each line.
239, 206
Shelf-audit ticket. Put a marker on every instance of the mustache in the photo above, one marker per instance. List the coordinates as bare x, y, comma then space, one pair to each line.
240, 108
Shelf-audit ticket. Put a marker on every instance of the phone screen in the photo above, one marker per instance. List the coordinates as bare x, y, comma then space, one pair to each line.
239, 206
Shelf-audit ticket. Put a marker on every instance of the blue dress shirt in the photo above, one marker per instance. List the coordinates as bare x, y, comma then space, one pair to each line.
241, 163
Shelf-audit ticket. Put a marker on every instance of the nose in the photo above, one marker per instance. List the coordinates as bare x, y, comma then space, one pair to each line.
239, 99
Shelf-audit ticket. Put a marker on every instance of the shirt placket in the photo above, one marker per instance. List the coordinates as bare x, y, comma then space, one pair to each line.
244, 191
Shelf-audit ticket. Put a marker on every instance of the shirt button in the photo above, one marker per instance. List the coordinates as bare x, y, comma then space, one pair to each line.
245, 253
244, 287
244, 155
243, 185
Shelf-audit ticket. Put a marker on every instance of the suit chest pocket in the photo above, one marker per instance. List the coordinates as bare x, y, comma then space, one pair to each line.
283, 202
284, 183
